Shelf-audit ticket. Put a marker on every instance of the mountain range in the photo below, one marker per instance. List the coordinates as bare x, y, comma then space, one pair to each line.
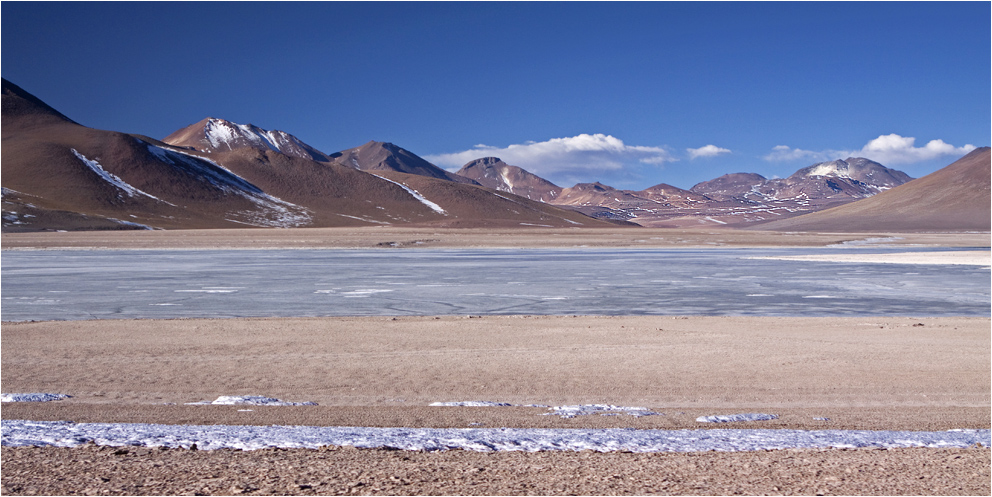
732, 199
61, 175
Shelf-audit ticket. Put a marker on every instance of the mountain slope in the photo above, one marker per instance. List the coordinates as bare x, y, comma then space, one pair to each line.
953, 198
218, 135
381, 156
492, 172
478, 206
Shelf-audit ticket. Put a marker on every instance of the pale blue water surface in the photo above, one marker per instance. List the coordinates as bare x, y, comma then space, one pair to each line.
109, 284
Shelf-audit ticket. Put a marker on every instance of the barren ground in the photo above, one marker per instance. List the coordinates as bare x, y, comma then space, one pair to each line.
391, 237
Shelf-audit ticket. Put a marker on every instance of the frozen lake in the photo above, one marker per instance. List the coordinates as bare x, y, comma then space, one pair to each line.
107, 284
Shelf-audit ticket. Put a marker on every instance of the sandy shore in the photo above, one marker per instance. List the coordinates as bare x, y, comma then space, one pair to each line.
393, 237
860, 373
878, 373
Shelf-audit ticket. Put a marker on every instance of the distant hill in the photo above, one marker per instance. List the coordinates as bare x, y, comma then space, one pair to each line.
733, 185
953, 198
492, 172
731, 200
824, 183
59, 175
382, 156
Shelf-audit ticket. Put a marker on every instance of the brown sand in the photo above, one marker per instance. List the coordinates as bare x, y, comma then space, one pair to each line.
864, 373
393, 237
861, 373
143, 471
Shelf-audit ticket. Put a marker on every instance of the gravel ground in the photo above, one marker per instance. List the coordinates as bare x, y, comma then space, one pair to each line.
96, 470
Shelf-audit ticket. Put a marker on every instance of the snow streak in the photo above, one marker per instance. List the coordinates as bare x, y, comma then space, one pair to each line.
436, 208
113, 179
68, 434
281, 214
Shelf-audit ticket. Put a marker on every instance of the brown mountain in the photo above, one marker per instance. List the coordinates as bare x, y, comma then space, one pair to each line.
823, 183
382, 156
662, 205
492, 172
734, 185
736, 199
953, 198
219, 135
58, 174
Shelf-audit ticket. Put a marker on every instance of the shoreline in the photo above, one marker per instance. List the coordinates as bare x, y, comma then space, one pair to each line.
962, 257
406, 238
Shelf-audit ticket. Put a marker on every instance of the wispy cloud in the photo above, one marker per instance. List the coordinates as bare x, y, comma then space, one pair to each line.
706, 151
577, 154
784, 153
886, 149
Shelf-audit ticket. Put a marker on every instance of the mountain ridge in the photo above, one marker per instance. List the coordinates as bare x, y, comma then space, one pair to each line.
216, 173
60, 175
492, 172
385, 156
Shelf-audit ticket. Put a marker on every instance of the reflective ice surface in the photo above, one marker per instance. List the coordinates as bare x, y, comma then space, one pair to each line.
44, 285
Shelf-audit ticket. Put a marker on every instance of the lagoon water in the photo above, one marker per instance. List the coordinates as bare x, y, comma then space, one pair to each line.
108, 284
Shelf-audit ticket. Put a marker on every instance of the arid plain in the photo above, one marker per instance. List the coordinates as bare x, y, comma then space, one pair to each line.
871, 373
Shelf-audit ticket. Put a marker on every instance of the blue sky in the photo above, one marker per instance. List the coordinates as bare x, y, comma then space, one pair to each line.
629, 94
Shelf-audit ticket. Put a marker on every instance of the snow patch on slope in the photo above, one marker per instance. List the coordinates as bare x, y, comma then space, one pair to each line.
224, 134
830, 169
506, 180
274, 212
436, 208
113, 179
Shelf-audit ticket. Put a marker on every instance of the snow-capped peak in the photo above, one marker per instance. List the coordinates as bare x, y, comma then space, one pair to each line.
224, 134
837, 168
220, 135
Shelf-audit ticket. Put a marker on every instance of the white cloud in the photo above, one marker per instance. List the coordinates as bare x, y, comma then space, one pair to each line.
886, 149
580, 153
707, 151
897, 149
